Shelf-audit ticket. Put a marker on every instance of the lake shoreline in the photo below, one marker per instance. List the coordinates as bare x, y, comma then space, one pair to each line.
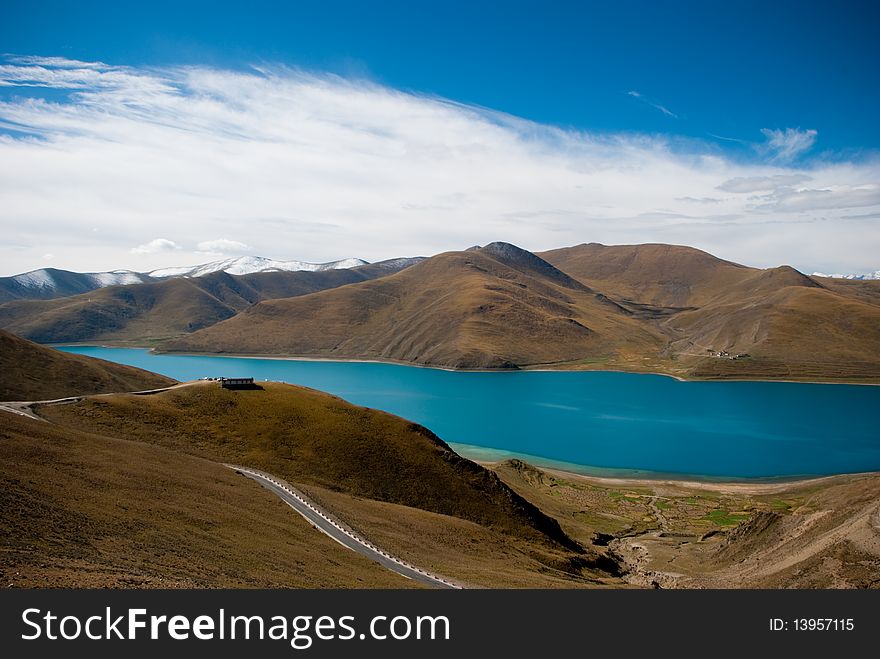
616, 420
539, 368
743, 486
489, 457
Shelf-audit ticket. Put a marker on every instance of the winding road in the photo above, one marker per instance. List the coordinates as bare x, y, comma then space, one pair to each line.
323, 522
26, 407
314, 515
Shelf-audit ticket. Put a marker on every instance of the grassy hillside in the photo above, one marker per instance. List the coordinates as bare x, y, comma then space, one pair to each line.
792, 326
310, 437
32, 372
498, 306
148, 311
79, 510
643, 308
659, 275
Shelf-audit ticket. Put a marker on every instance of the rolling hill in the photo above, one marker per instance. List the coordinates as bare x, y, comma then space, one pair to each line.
306, 436
660, 308
156, 310
791, 325
645, 308
33, 372
493, 307
79, 510
659, 275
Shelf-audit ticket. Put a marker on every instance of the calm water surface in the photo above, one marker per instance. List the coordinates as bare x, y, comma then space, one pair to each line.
594, 422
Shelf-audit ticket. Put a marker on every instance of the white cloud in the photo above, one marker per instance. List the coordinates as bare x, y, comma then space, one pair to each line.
743, 184
701, 200
318, 168
786, 145
155, 246
656, 106
808, 199
222, 246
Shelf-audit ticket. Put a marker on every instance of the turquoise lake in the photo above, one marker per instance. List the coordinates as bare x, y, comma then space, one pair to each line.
592, 422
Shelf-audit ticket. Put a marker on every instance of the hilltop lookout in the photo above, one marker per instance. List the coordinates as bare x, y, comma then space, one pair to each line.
237, 383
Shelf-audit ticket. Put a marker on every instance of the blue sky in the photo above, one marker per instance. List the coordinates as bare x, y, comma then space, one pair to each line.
723, 68
757, 119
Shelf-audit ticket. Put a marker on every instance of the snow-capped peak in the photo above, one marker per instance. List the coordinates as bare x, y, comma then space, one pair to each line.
41, 278
245, 265
869, 275
48, 283
116, 278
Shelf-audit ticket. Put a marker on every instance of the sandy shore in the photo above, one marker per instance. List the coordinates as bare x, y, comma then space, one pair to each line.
736, 487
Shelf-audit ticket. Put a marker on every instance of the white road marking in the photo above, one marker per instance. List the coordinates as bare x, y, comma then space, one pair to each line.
371, 549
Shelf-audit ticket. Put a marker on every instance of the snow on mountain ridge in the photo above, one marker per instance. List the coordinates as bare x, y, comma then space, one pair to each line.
36, 279
399, 263
42, 278
867, 276
49, 280
116, 278
245, 265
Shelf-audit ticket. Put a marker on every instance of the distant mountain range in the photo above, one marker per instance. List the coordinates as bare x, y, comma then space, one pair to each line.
648, 308
661, 308
49, 283
158, 309
248, 265
870, 275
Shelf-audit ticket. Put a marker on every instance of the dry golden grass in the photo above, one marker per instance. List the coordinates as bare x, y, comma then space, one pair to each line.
81, 510
475, 556
658, 275
793, 326
796, 330
474, 309
659, 308
392, 481
84, 504
642, 308
309, 437
32, 372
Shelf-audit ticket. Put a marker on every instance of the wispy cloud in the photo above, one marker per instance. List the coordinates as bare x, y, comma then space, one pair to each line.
724, 138
743, 184
656, 106
156, 246
700, 200
836, 198
786, 145
223, 246
295, 165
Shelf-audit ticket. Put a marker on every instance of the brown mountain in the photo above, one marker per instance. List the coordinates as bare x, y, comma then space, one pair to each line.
496, 306
661, 308
33, 372
660, 275
153, 311
790, 325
